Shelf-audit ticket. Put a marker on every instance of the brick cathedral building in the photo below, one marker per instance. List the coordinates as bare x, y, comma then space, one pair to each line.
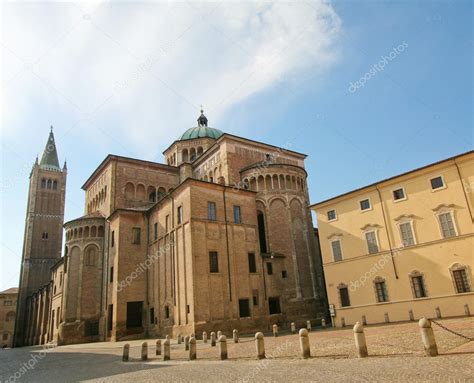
219, 237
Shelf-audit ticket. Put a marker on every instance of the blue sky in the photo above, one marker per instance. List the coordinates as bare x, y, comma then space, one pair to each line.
128, 78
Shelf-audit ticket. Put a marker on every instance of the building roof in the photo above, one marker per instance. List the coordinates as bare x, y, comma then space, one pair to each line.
111, 157
393, 178
49, 160
12, 290
200, 132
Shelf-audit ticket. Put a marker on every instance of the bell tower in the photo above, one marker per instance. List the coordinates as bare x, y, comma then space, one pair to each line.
42, 239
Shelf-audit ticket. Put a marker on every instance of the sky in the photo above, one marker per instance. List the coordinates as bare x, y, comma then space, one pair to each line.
367, 89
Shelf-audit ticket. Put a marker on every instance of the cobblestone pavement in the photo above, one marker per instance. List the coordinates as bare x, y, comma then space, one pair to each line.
396, 355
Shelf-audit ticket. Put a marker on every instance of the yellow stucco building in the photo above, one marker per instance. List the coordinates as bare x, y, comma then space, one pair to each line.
401, 248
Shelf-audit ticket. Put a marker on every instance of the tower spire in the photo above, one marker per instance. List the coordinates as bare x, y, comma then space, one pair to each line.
49, 160
202, 119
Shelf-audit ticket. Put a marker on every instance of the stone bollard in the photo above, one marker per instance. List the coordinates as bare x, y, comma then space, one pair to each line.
213, 339
427, 337
304, 344
410, 315
186, 342
466, 310
275, 330
192, 348
166, 350
323, 323
204, 337
179, 338
158, 347
219, 333
235, 335
364, 320
308, 325
361, 344
126, 352
223, 347
293, 327
260, 345
387, 319
438, 313
144, 351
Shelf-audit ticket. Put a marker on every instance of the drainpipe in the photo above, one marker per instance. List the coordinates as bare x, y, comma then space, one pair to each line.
227, 243
463, 189
388, 235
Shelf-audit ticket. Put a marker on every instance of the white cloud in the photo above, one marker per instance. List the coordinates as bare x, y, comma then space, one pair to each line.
145, 67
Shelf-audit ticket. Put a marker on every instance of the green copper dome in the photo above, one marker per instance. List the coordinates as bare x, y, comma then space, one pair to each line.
201, 131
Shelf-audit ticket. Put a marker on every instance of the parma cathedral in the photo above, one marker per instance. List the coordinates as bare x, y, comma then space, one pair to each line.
217, 237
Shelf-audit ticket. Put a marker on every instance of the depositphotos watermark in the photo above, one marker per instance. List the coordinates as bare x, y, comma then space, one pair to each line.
263, 364
31, 363
379, 67
142, 267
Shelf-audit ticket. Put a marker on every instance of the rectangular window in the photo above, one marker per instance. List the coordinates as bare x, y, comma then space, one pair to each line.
365, 204
255, 297
344, 294
136, 232
111, 274
447, 225
155, 231
274, 305
284, 274
269, 268
406, 233
211, 211
398, 194
252, 263
167, 312
180, 215
461, 282
437, 183
418, 287
152, 315
237, 217
7, 302
336, 250
372, 245
188, 309
213, 262
331, 215
110, 317
167, 223
45, 235
381, 292
112, 239
244, 308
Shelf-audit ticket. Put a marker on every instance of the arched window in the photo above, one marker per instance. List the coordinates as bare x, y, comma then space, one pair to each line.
199, 151
55, 185
140, 192
129, 191
10, 317
221, 180
86, 232
49, 184
417, 283
43, 183
93, 231
262, 236
100, 231
151, 194
192, 154
161, 192
90, 256
185, 155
